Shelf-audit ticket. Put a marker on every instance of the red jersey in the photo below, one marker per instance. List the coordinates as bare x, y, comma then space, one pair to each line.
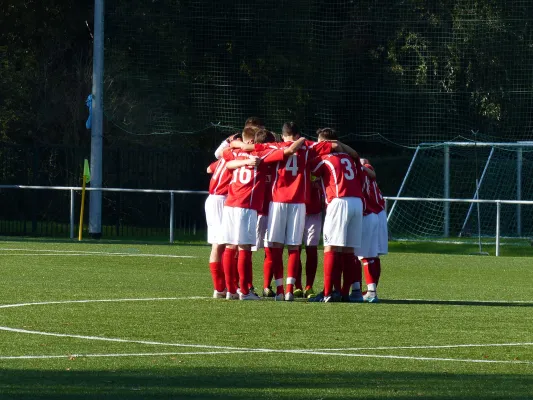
268, 190
220, 179
292, 182
341, 176
374, 201
247, 188
313, 205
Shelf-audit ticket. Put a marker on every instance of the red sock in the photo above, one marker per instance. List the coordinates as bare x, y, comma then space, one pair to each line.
217, 274
235, 269
251, 271
337, 271
292, 269
277, 267
228, 258
245, 264
348, 273
268, 273
329, 262
358, 272
372, 270
298, 283
311, 265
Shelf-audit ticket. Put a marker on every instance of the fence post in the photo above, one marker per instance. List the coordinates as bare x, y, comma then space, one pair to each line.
498, 206
171, 217
519, 156
446, 190
72, 213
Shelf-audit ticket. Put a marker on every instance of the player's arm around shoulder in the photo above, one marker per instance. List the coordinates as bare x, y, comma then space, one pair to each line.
252, 162
293, 148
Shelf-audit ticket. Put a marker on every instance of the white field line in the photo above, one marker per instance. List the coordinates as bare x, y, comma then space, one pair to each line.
260, 350
192, 353
446, 346
102, 301
228, 350
82, 253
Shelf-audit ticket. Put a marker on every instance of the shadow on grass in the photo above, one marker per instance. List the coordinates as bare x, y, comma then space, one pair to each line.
181, 382
458, 302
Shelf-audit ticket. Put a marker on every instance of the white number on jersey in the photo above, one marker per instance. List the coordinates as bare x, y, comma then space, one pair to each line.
292, 165
349, 174
243, 174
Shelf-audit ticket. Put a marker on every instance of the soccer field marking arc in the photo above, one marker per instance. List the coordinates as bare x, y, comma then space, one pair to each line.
58, 253
229, 350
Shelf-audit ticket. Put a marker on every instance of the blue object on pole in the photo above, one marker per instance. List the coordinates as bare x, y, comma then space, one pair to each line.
89, 103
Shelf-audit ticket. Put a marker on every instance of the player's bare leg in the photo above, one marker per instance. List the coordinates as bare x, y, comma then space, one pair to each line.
217, 271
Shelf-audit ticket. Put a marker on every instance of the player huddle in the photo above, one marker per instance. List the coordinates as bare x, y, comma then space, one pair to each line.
268, 194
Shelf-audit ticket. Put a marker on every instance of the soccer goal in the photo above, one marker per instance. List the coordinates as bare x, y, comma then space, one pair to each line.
465, 170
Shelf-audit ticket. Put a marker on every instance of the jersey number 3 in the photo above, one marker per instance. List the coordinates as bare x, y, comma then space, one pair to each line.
349, 174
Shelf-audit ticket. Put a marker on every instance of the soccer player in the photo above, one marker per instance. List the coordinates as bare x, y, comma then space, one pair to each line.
264, 136
369, 245
372, 265
214, 205
311, 238
341, 177
245, 198
253, 122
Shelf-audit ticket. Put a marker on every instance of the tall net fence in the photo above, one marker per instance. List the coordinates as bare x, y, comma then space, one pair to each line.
465, 171
403, 71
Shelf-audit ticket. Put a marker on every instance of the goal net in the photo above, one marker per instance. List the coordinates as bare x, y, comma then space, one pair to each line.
468, 170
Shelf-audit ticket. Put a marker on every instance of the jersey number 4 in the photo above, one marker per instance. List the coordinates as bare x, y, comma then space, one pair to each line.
292, 165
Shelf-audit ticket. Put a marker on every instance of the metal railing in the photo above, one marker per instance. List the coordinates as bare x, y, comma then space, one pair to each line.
74, 189
171, 193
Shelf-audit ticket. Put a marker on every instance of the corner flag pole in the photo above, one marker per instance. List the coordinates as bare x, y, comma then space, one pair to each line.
85, 179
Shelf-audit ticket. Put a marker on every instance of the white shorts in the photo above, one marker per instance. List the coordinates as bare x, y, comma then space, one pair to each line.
286, 223
239, 225
260, 232
343, 222
214, 205
312, 228
369, 242
383, 233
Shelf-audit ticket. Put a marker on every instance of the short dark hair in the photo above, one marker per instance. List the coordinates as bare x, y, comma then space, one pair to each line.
326, 134
264, 136
254, 121
290, 129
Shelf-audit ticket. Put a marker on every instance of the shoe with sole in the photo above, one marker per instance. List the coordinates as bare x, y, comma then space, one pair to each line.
356, 296
328, 299
279, 297
249, 296
268, 292
232, 296
298, 293
289, 296
370, 297
319, 297
309, 293
219, 295
336, 296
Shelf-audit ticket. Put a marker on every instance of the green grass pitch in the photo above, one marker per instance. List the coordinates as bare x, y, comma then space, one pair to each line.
118, 320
